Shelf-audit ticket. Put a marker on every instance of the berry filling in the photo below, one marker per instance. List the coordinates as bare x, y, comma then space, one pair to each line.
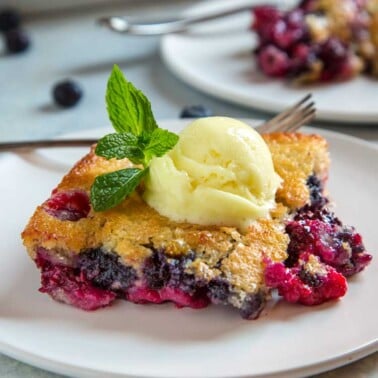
181, 299
105, 270
165, 279
68, 206
320, 233
69, 285
315, 187
96, 278
321, 253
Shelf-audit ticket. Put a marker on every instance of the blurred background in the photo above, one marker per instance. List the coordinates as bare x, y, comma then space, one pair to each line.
65, 43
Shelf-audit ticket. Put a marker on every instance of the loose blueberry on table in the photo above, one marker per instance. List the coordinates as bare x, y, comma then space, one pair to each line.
196, 111
67, 93
16, 41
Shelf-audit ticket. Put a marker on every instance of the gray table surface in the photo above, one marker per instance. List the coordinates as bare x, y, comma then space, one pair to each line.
70, 45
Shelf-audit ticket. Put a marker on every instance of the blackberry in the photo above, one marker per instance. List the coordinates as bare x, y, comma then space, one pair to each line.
319, 232
324, 215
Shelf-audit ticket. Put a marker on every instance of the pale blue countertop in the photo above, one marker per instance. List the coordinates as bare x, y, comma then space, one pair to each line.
26, 110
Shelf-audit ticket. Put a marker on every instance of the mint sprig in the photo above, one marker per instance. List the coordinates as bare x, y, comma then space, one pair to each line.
128, 108
138, 138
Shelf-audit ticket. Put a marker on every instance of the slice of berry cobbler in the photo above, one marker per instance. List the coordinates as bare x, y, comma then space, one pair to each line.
89, 259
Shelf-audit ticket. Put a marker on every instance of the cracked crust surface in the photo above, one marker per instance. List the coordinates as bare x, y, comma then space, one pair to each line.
219, 251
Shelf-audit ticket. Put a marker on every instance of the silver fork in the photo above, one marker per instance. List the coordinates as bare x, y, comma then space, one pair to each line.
124, 26
288, 120
292, 118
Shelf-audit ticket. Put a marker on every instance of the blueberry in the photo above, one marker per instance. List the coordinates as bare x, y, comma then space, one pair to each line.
252, 305
9, 19
156, 270
315, 187
219, 291
16, 41
195, 111
186, 282
105, 270
67, 93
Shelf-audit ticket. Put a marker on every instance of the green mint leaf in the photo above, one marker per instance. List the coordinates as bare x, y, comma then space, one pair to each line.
128, 108
139, 139
109, 189
160, 142
120, 146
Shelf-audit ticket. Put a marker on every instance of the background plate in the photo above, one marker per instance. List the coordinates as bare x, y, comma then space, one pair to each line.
217, 59
160, 341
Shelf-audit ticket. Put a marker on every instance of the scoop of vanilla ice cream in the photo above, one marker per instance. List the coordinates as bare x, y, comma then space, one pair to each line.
219, 173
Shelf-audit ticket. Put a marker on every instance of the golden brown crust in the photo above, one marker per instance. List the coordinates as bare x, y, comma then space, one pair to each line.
295, 158
129, 228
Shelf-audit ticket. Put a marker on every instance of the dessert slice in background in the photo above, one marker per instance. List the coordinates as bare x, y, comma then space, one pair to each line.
319, 40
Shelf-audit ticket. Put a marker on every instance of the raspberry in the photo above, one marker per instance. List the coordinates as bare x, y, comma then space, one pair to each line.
68, 206
142, 294
298, 285
273, 61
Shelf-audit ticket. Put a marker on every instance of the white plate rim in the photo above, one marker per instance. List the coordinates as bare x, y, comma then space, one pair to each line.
79, 371
322, 366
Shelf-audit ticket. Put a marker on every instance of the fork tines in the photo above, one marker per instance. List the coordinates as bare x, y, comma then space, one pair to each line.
292, 118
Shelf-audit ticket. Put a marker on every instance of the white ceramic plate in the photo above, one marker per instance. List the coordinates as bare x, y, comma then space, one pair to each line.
161, 341
217, 59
